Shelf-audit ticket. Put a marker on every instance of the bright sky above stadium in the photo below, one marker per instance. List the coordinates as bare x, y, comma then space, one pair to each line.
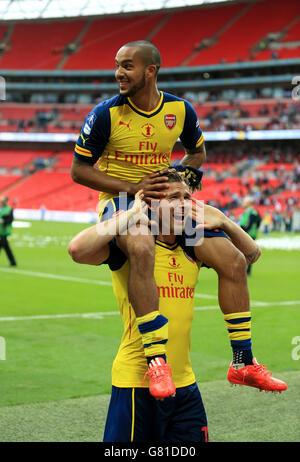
35, 9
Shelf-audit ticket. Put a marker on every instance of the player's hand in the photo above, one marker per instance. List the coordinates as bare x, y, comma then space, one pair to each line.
153, 186
192, 175
213, 218
139, 205
139, 212
205, 216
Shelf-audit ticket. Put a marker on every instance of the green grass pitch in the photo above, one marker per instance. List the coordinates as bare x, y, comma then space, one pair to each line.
60, 331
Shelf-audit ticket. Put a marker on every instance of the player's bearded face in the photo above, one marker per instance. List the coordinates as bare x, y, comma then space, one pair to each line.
130, 71
129, 87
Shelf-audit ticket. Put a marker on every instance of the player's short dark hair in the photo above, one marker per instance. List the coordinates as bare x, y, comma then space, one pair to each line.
149, 52
173, 176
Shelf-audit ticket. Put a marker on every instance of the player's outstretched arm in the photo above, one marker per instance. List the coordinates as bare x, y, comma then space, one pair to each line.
91, 247
214, 218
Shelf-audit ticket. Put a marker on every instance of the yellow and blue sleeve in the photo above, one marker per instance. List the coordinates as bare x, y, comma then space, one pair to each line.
191, 136
94, 134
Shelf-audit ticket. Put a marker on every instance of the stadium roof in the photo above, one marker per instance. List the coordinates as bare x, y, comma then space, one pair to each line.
35, 9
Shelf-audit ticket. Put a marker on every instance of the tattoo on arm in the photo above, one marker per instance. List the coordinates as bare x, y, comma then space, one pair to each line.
252, 256
194, 157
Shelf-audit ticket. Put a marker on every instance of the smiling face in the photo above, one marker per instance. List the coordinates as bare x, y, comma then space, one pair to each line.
130, 71
175, 208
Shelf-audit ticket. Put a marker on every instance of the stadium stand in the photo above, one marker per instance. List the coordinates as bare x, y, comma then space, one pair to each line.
237, 42
104, 36
39, 45
3, 29
64, 118
275, 184
195, 26
288, 43
210, 37
53, 190
6, 181
10, 159
213, 35
62, 160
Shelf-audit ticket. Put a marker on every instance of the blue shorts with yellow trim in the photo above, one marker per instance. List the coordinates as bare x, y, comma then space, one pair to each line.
135, 416
116, 204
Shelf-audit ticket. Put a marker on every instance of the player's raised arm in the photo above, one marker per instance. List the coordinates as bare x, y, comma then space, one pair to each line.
195, 153
192, 139
194, 157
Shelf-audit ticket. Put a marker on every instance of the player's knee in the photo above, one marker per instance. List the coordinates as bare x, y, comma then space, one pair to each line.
74, 252
238, 266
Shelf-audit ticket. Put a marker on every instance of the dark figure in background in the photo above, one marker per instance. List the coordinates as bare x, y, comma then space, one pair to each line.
250, 222
6, 219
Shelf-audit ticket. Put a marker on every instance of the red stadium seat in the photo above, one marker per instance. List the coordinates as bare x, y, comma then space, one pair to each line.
11, 158
237, 41
177, 39
105, 36
7, 181
39, 45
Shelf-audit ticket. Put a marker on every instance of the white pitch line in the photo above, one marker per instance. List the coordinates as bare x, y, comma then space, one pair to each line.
55, 276
108, 283
60, 316
101, 315
203, 308
284, 303
253, 304
212, 297
75, 279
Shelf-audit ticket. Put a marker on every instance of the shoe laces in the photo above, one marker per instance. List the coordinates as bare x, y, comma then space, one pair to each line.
156, 372
261, 369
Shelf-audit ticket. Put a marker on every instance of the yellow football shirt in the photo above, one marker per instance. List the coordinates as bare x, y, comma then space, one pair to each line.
176, 275
128, 143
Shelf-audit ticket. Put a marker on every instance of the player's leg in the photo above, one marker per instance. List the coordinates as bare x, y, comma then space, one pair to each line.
8, 251
143, 294
130, 416
230, 264
183, 419
142, 289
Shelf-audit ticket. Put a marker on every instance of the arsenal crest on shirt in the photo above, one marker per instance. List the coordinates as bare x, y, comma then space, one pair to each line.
170, 121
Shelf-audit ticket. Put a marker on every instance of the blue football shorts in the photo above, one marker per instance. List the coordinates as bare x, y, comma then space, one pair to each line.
135, 416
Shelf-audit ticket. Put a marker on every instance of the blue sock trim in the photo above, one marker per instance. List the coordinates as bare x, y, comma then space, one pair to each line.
238, 320
150, 326
149, 358
160, 342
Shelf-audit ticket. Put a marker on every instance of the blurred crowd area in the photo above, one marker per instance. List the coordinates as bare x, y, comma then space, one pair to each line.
224, 110
281, 116
269, 173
